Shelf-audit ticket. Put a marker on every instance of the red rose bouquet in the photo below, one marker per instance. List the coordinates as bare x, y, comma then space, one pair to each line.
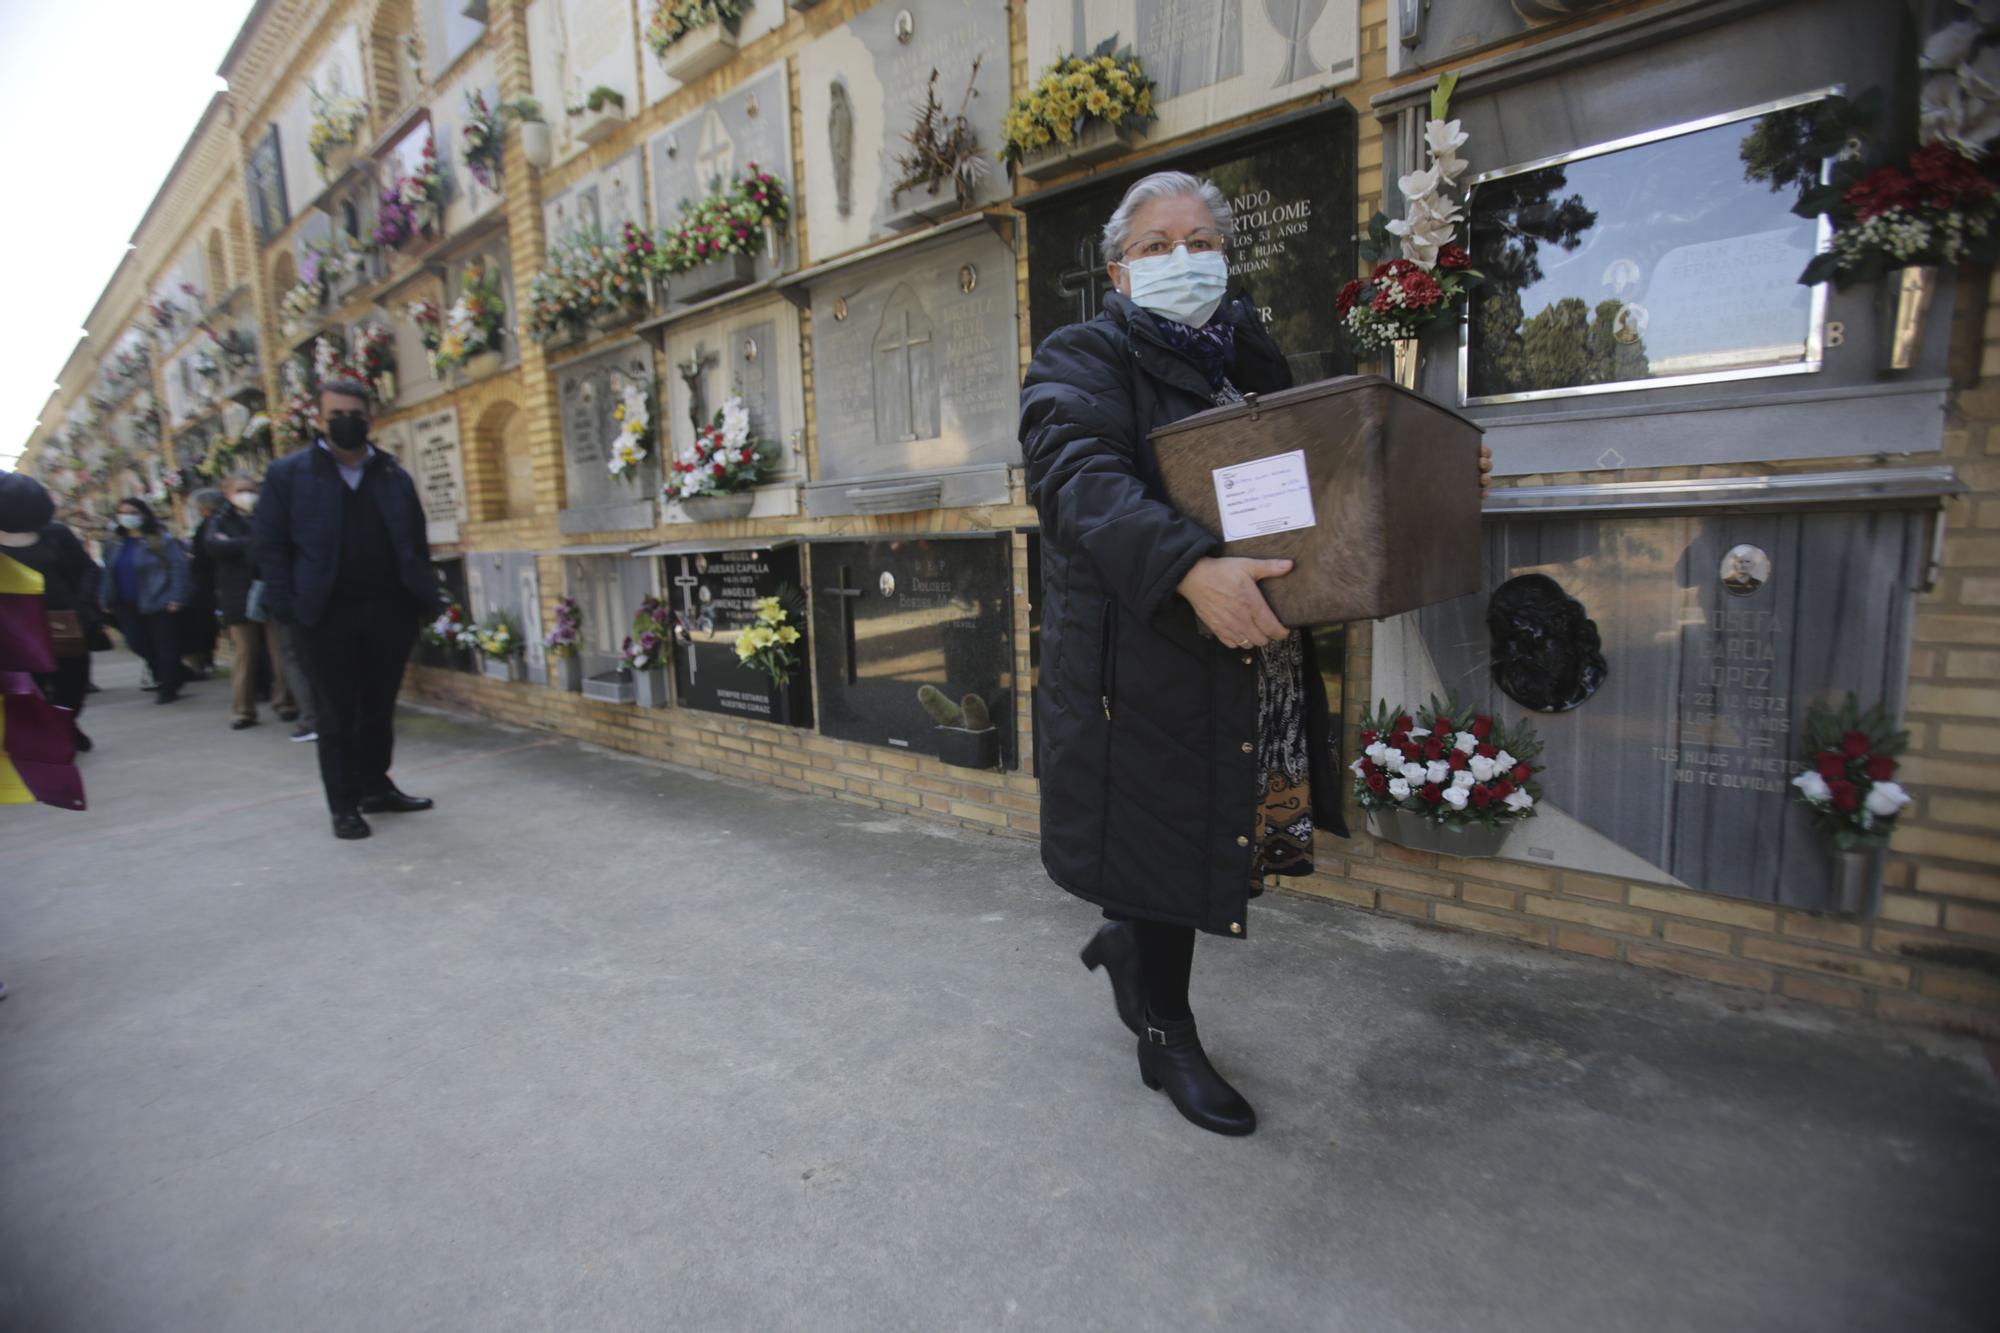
1447, 764
1849, 781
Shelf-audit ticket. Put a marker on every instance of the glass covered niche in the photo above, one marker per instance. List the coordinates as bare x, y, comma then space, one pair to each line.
1667, 258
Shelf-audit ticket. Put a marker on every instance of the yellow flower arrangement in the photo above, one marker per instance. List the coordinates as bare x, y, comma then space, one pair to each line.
1071, 93
767, 642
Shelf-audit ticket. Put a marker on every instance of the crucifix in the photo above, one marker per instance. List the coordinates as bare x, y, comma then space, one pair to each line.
687, 583
1086, 282
691, 372
847, 596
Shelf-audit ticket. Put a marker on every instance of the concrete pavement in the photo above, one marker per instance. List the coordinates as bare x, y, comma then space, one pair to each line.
602, 1045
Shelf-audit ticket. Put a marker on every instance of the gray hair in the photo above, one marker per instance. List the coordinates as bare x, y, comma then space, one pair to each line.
244, 475
348, 388
207, 500
1164, 185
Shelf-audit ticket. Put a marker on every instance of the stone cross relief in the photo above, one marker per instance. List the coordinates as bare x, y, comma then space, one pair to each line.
715, 152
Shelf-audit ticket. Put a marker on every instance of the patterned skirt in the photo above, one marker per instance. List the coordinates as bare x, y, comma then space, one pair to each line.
1284, 827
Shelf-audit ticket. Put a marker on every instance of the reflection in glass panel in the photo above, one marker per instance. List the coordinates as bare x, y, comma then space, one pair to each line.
1640, 265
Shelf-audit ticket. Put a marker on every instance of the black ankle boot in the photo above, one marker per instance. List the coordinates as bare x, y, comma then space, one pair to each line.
1171, 1060
1115, 950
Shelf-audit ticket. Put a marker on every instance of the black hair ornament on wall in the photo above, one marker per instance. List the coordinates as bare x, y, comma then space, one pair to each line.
1546, 652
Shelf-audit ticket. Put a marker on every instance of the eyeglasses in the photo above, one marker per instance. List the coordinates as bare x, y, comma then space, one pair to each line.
1200, 243
348, 415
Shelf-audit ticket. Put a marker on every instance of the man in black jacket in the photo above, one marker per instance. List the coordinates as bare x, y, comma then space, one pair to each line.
340, 546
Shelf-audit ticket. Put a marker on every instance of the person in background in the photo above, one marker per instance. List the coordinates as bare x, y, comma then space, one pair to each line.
195, 623
341, 548
225, 535
147, 581
30, 534
306, 726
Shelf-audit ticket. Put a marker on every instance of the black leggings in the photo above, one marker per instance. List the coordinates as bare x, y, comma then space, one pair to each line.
1166, 957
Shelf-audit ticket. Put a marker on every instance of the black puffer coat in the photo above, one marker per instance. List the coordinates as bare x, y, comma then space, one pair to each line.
226, 537
1146, 727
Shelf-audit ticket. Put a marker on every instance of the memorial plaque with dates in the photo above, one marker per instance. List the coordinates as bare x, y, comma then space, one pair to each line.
1292, 195
716, 594
1681, 655
893, 615
591, 392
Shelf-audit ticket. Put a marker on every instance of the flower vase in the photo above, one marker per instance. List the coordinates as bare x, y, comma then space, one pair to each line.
1099, 141
713, 277
339, 157
716, 508
538, 144
1906, 301
1856, 889
1421, 835
480, 364
566, 673
698, 52
649, 687
1403, 362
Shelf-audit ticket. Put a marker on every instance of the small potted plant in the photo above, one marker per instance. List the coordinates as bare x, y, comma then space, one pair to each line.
692, 37
964, 732
646, 652
713, 247
1388, 311
1852, 793
538, 143
599, 114
713, 478
941, 150
1445, 779
336, 122
1082, 110
564, 646
631, 442
502, 646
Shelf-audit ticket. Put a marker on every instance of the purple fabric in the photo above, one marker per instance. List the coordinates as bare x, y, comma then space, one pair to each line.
1212, 347
41, 743
24, 635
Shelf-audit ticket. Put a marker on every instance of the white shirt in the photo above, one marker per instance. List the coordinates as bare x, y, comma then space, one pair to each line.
350, 475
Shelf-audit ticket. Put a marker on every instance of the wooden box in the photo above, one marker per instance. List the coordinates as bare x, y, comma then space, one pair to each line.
1392, 480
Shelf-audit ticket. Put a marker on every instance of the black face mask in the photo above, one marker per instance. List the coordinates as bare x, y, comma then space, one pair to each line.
349, 433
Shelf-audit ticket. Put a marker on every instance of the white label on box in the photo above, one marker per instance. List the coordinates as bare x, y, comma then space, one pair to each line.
1263, 496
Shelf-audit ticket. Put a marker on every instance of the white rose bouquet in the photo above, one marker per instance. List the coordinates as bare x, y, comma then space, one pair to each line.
1447, 764
1850, 786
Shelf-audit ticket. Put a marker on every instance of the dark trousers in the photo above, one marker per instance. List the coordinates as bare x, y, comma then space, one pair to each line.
152, 637
354, 658
68, 684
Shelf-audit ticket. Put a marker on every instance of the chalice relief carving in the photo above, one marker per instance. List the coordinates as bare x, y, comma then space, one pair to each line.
1188, 44
1294, 20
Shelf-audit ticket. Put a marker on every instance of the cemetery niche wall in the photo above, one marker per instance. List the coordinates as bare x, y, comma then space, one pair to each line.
891, 617
1667, 663
508, 581
860, 88
590, 391
608, 585
915, 366
715, 590
748, 348
1291, 190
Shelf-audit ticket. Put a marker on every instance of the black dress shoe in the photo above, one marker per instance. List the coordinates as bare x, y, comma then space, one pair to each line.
83, 743
1171, 1060
349, 825
1115, 949
166, 696
393, 802
240, 723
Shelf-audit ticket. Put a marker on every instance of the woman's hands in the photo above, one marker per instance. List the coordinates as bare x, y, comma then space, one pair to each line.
1224, 593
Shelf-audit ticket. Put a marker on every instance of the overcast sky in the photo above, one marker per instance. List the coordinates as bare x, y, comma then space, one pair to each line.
97, 98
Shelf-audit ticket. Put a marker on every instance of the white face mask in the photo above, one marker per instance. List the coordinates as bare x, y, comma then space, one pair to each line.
244, 500
1180, 286
130, 522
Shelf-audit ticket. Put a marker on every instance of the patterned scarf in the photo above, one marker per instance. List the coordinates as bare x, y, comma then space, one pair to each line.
1211, 348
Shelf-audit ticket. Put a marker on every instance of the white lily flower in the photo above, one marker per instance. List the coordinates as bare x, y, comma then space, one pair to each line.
1418, 184
1444, 137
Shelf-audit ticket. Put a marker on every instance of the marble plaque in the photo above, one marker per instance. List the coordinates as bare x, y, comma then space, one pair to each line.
267, 186
891, 615
915, 361
752, 122
1292, 195
1213, 60
590, 391
1672, 764
509, 581
608, 590
860, 88
606, 199
435, 464
716, 594
749, 349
